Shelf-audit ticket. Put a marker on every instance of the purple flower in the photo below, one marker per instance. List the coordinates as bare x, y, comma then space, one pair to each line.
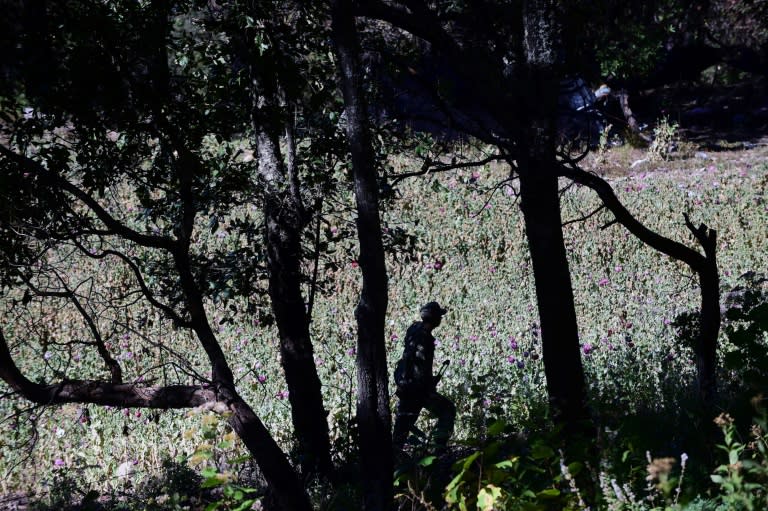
58, 462
520, 364
262, 378
47, 355
511, 359
462, 362
618, 268
587, 348
603, 282
513, 343
473, 338
351, 351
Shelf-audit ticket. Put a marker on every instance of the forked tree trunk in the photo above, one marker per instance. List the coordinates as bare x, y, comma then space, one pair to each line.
373, 412
284, 222
281, 478
283, 244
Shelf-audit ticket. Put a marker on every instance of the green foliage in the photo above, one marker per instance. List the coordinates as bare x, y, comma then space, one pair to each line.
743, 478
666, 138
746, 329
499, 473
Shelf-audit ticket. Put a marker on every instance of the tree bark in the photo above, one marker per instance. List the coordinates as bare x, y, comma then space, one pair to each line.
283, 245
629, 116
540, 203
709, 314
283, 213
373, 412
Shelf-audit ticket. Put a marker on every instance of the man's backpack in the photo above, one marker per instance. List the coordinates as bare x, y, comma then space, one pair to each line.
405, 383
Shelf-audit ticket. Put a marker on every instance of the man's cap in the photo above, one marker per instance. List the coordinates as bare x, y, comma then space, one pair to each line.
432, 310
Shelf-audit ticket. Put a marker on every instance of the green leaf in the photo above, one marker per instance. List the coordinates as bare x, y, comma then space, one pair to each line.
496, 428
541, 452
208, 472
716, 478
486, 498
452, 494
245, 505
549, 493
467, 462
455, 482
575, 467
427, 461
510, 463
211, 482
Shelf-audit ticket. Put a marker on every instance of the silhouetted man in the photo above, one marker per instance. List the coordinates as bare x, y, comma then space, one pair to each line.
416, 386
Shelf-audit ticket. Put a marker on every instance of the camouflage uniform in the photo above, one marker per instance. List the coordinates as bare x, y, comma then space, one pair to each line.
416, 389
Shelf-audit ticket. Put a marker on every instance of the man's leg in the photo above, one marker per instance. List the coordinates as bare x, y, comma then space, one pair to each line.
444, 409
405, 419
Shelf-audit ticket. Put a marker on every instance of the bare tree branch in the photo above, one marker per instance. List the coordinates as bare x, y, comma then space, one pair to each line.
166, 309
430, 166
117, 228
585, 217
661, 243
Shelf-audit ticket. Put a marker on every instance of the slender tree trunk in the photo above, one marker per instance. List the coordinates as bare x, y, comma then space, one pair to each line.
559, 331
706, 347
709, 317
540, 203
373, 412
629, 116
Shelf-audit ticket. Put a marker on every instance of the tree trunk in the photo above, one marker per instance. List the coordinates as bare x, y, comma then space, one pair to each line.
709, 315
283, 244
629, 116
271, 460
709, 328
373, 412
283, 214
540, 203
